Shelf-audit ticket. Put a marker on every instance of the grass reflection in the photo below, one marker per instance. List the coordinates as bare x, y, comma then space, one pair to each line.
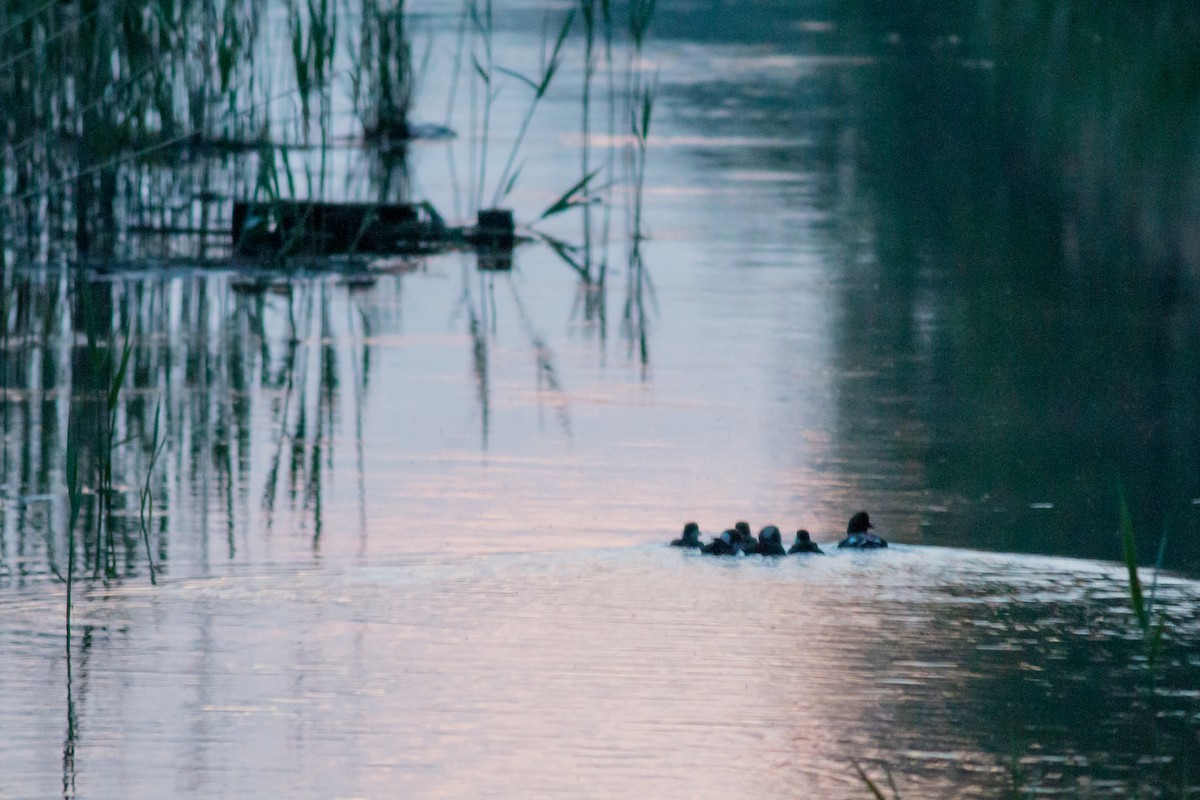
153, 404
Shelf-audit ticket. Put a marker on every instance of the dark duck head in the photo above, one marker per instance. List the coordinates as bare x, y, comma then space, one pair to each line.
690, 538
770, 542
744, 541
858, 534
803, 543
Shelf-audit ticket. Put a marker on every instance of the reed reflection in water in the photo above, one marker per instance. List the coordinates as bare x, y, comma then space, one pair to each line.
242, 381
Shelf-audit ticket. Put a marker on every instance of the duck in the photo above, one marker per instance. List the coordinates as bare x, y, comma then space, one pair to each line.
745, 541
804, 544
770, 542
723, 545
858, 534
690, 538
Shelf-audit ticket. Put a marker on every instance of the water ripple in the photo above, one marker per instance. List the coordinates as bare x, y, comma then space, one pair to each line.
604, 673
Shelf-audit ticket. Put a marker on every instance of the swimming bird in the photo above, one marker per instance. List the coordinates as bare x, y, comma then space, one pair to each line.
803, 544
858, 534
770, 542
745, 541
723, 545
690, 538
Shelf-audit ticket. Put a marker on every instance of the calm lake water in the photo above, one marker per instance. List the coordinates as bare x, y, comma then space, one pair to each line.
409, 531
600, 672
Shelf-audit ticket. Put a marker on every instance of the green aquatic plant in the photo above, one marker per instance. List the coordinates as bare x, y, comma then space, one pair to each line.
575, 197
639, 287
74, 504
313, 48
539, 86
606, 14
639, 123
483, 25
384, 80
1151, 624
488, 74
589, 12
146, 505
108, 444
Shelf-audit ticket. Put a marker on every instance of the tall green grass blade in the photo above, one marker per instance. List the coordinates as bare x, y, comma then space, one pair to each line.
566, 252
114, 390
641, 13
484, 26
506, 190
512, 73
556, 53
571, 198
647, 110
146, 507
74, 498
481, 72
539, 87
74, 485
1129, 546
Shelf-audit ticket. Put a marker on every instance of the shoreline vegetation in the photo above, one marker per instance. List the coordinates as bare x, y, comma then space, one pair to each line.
142, 135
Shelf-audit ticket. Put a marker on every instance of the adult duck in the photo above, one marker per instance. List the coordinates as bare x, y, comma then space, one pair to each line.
736, 541
859, 536
690, 538
770, 542
804, 544
723, 545
745, 541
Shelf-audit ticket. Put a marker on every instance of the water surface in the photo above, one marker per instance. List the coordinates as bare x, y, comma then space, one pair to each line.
603, 672
408, 526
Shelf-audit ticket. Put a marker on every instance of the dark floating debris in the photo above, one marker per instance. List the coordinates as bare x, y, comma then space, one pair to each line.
493, 237
323, 228
311, 228
495, 229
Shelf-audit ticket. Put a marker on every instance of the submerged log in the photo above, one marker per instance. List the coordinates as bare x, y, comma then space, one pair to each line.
322, 228
295, 227
493, 237
495, 229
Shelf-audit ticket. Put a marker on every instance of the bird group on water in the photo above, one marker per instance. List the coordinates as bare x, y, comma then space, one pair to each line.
738, 540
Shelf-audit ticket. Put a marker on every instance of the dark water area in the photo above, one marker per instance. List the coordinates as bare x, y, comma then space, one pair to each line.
1018, 188
406, 512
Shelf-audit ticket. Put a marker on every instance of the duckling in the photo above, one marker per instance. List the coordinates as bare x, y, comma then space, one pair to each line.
745, 541
803, 544
722, 545
690, 538
770, 542
857, 534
